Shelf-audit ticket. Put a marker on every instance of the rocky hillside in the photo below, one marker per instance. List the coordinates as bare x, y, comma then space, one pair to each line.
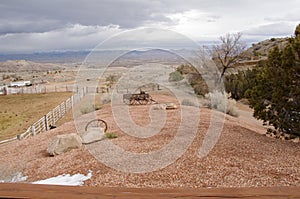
258, 51
261, 49
24, 65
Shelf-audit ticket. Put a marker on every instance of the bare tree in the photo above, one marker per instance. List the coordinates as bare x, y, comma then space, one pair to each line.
229, 52
111, 80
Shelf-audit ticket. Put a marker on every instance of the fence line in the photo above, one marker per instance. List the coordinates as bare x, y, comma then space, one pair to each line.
48, 121
37, 89
42, 88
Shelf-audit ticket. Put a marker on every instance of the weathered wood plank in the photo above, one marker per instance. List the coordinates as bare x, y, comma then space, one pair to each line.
16, 190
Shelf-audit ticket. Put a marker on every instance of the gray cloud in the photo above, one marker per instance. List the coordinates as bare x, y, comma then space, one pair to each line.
39, 16
55, 13
274, 29
292, 16
28, 26
73, 37
35, 25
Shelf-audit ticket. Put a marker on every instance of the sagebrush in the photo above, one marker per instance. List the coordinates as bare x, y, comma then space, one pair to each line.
220, 101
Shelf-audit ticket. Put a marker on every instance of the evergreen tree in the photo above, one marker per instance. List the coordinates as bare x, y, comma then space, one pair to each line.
239, 84
276, 95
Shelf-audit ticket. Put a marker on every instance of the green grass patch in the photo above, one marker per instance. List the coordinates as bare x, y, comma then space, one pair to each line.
111, 135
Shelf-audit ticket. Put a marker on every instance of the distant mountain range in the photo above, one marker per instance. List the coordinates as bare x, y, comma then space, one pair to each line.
79, 56
50, 57
27, 66
58, 60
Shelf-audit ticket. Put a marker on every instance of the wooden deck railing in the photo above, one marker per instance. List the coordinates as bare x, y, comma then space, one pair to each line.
12, 190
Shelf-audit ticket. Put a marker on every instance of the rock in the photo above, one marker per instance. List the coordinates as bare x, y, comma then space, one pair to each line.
159, 107
287, 136
281, 137
93, 134
167, 106
269, 135
63, 143
170, 106
296, 140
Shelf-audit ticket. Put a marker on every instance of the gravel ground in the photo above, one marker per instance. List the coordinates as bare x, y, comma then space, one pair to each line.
242, 157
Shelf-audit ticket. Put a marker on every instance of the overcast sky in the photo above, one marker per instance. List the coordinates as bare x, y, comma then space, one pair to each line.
51, 25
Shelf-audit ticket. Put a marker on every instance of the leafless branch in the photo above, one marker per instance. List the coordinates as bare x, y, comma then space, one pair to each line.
229, 52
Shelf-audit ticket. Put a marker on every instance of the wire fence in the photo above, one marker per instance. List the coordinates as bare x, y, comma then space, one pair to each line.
35, 89
43, 88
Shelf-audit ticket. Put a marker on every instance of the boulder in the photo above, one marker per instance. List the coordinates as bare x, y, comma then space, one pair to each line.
167, 106
94, 134
170, 106
296, 140
159, 107
63, 143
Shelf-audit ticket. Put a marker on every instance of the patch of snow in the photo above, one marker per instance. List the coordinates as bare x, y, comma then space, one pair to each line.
18, 177
66, 179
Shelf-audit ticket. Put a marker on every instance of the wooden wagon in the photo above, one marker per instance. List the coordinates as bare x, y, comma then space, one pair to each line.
138, 98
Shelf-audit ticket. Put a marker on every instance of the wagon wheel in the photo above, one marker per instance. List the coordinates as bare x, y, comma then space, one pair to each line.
131, 101
97, 123
149, 101
144, 101
139, 100
152, 101
134, 102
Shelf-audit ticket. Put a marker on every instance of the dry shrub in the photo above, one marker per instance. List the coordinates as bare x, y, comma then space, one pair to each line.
244, 101
219, 101
187, 102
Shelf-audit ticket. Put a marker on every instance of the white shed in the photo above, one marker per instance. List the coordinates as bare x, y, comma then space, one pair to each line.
20, 84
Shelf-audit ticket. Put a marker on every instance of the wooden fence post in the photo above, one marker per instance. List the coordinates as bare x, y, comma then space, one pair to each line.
60, 115
72, 100
46, 122
65, 107
33, 130
52, 118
